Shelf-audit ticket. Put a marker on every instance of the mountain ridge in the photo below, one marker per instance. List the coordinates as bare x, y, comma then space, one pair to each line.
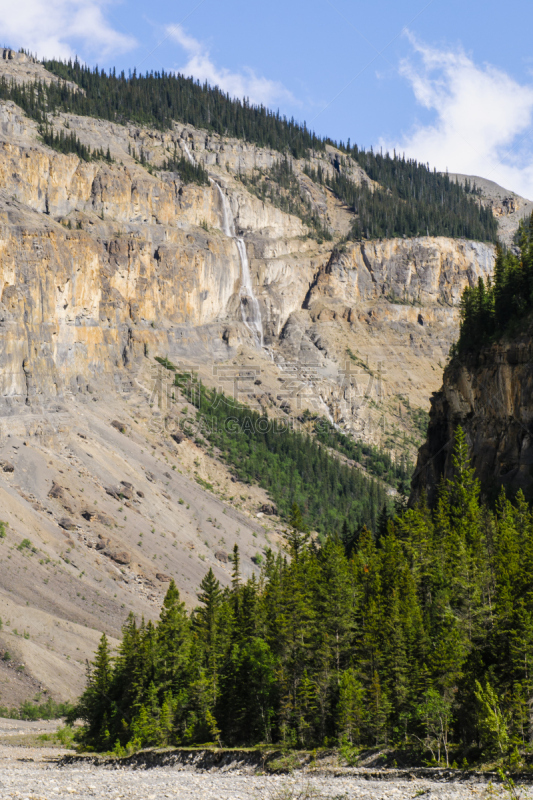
107, 264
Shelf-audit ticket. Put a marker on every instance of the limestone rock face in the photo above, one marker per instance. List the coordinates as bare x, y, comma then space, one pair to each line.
103, 264
490, 397
75, 305
415, 271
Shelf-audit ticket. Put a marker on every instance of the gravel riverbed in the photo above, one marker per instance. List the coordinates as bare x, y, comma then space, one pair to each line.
25, 781
28, 773
36, 773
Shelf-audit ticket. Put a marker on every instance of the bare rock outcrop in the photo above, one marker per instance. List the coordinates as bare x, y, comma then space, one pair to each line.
489, 395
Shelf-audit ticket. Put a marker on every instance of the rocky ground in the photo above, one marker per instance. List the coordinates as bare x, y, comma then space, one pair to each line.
39, 773
42, 779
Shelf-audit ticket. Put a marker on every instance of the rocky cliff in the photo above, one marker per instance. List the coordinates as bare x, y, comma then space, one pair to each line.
104, 266
507, 206
489, 395
103, 263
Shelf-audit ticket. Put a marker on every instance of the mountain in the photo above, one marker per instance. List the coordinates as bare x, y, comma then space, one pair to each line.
487, 384
507, 206
489, 396
124, 242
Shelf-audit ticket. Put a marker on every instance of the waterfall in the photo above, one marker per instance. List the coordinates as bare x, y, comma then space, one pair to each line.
250, 311
188, 153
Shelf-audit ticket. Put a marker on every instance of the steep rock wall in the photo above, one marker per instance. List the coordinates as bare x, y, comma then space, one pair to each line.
490, 397
102, 263
421, 271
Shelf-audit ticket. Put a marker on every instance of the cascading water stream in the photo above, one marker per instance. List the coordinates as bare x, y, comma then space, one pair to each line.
188, 154
250, 311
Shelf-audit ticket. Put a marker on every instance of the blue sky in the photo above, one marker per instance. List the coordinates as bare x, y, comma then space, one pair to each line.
447, 82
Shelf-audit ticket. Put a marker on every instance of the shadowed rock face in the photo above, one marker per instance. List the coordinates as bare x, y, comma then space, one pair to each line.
490, 397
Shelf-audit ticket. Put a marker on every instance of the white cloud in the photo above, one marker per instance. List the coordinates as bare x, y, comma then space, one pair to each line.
236, 84
55, 28
482, 118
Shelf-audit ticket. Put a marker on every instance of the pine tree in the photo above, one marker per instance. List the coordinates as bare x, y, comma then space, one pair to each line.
350, 716
173, 644
95, 703
208, 626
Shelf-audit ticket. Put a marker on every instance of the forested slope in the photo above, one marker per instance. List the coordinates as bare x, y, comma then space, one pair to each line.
420, 638
413, 200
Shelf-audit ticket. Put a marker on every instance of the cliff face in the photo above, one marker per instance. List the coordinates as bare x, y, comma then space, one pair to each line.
423, 271
507, 206
490, 397
102, 264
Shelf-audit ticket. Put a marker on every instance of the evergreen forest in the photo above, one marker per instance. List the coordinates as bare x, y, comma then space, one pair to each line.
413, 200
69, 143
293, 466
188, 171
419, 638
491, 309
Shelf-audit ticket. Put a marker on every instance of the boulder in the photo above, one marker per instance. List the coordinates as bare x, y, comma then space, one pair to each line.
222, 556
57, 491
163, 578
105, 519
268, 509
67, 524
119, 556
125, 490
120, 426
6, 466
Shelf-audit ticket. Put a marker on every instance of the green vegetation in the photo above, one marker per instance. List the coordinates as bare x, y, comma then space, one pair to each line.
156, 99
414, 201
437, 206
188, 172
420, 419
292, 466
280, 187
32, 99
69, 143
417, 638
490, 310
64, 737
32, 710
377, 462
24, 545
